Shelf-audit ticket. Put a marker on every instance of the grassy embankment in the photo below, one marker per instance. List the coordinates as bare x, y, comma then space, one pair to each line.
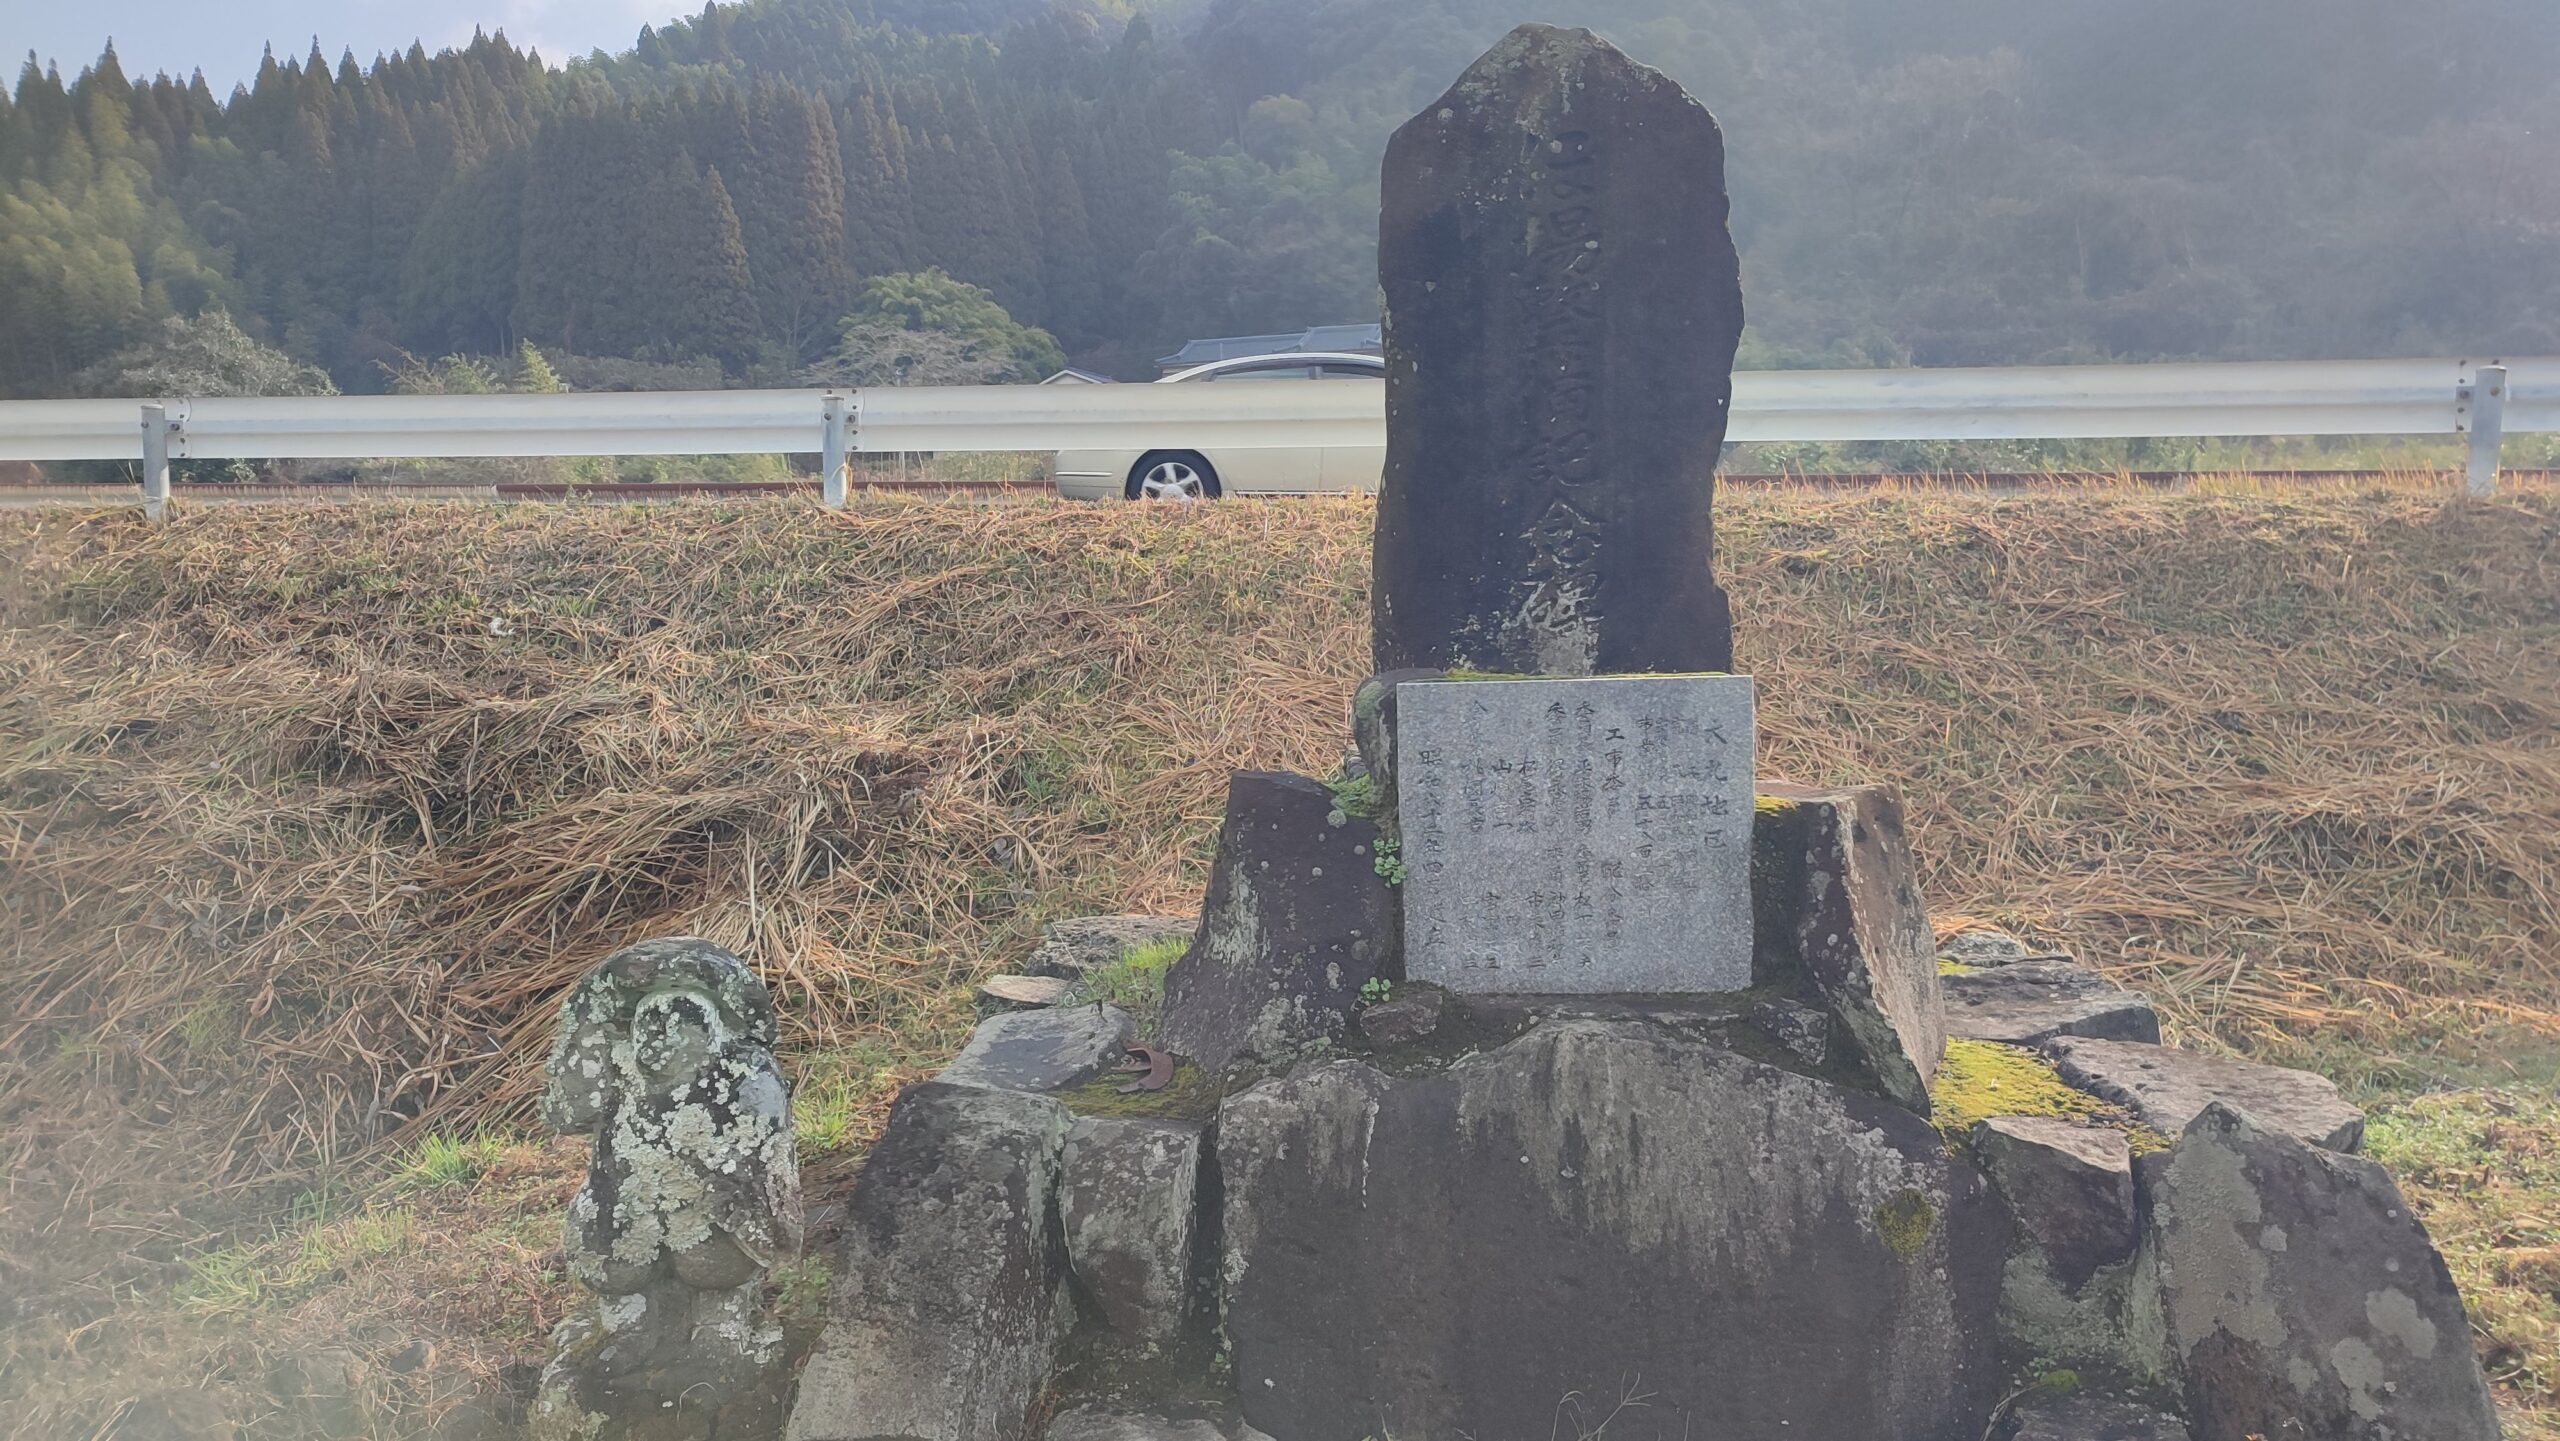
306, 816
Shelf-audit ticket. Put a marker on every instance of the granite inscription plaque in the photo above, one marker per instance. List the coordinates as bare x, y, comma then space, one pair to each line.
1577, 836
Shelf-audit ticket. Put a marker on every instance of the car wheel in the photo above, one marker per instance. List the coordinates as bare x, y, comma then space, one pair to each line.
1173, 475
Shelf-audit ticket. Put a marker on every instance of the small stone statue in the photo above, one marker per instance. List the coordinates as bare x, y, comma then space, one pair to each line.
665, 1059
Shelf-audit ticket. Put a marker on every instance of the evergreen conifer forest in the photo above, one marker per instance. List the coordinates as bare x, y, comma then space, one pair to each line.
1960, 182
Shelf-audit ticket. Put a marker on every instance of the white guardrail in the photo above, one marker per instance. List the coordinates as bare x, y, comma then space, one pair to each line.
2481, 399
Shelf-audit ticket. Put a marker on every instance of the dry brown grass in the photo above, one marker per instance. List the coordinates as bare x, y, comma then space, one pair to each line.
307, 816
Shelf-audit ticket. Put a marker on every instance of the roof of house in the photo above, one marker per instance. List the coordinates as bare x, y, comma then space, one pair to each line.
1074, 376
1230, 347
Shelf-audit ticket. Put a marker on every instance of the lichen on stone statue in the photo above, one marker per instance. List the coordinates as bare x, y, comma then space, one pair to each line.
665, 1061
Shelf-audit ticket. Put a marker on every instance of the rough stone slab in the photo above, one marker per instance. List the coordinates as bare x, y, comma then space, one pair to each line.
1293, 1164
1986, 946
2302, 1297
1839, 898
2031, 1001
1022, 993
1044, 1050
1130, 1193
2070, 1186
2091, 1418
2167, 1088
1562, 305
1090, 1425
1296, 921
1565, 836
1772, 1254
1404, 1019
947, 1311
1070, 948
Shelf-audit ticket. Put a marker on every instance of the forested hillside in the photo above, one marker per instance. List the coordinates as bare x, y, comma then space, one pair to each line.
1962, 181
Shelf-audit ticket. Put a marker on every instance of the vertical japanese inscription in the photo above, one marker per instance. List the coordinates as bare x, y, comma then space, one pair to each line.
1562, 303
1577, 836
1567, 327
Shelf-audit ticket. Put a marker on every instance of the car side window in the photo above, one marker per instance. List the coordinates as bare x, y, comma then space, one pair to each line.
1299, 371
1352, 372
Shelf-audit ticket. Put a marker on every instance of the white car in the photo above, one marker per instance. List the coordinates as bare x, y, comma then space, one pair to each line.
1173, 474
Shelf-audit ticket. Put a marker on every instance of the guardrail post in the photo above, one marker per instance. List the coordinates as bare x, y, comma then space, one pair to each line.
155, 463
2488, 429
831, 463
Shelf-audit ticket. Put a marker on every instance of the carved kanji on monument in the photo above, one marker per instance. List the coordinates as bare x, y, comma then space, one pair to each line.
1563, 302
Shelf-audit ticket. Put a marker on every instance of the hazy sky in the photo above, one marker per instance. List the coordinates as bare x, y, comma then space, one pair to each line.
224, 37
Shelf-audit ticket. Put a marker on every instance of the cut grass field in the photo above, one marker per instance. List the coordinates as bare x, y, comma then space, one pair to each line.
307, 817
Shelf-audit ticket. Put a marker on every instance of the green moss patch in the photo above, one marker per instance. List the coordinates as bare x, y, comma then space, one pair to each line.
1905, 1222
1192, 1095
1978, 1080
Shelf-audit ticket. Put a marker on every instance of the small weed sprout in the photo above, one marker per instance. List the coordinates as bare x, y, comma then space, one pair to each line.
826, 1116
1390, 862
246, 1279
227, 1282
442, 1160
841, 1098
1376, 989
800, 1292
1135, 982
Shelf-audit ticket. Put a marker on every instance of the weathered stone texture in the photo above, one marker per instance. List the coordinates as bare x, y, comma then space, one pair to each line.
1091, 1425
1804, 1030
665, 1057
1129, 1199
2167, 1088
2031, 1001
2302, 1297
1562, 305
1407, 1018
1296, 921
1042, 1050
1840, 901
1594, 1202
665, 1061
947, 1312
2091, 1418
2070, 1186
1578, 836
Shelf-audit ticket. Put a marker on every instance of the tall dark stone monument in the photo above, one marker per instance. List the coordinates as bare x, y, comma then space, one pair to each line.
1563, 302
